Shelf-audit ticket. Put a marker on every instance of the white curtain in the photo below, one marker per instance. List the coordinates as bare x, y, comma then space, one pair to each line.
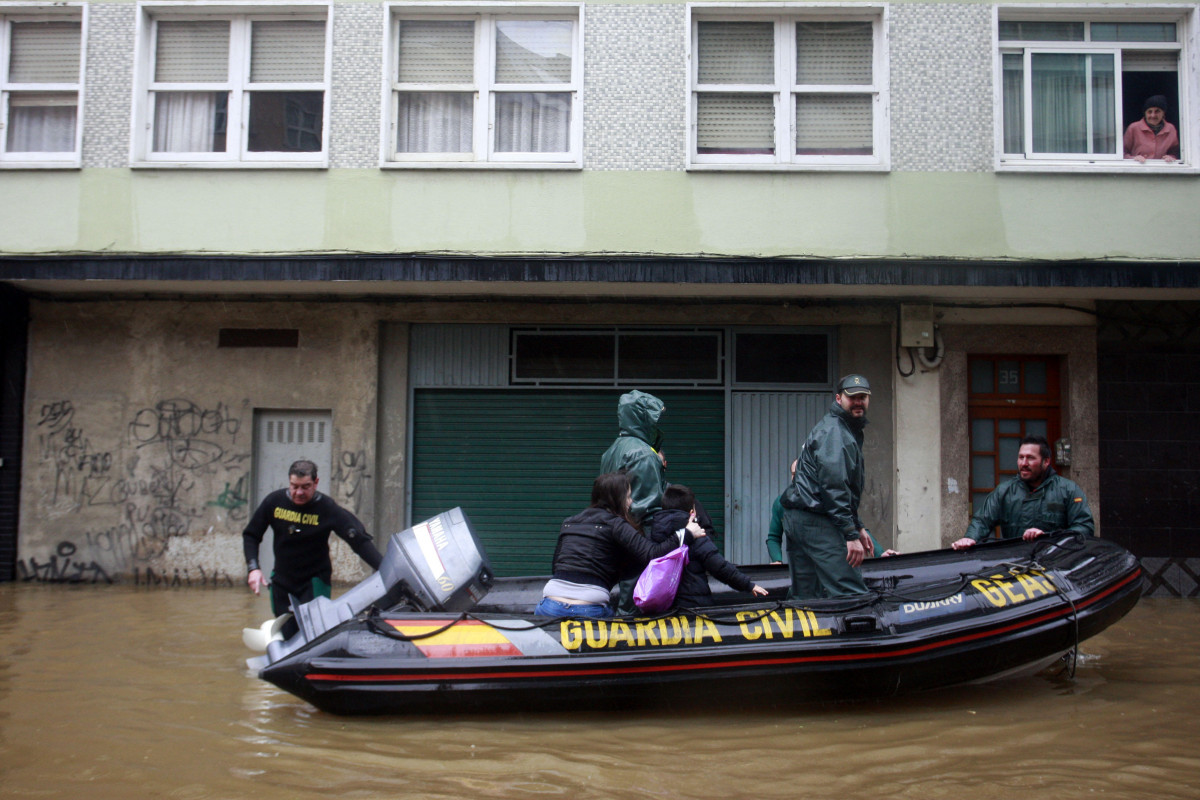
1061, 90
185, 122
40, 127
1014, 103
533, 122
434, 122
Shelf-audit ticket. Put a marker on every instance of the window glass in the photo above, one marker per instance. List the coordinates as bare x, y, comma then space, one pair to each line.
436, 51
1010, 446
1035, 377
786, 358
834, 53
285, 122
1065, 103
1009, 373
1133, 32
39, 87
982, 378
533, 51
533, 122
983, 434
983, 472
786, 91
512, 99
735, 123
434, 122
1009, 426
735, 52
1037, 427
1042, 31
565, 356
262, 79
666, 356
1073, 103
834, 124
192, 52
190, 122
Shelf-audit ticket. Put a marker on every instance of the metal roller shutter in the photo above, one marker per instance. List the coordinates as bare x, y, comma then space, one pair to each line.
519, 462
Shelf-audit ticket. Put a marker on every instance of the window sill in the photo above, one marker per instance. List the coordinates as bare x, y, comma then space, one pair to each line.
1122, 167
18, 164
730, 167
323, 164
483, 165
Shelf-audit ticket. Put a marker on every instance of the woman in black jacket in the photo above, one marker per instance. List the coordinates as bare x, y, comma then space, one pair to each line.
678, 510
598, 546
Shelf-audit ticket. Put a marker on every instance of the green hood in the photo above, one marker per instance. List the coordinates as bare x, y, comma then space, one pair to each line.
638, 414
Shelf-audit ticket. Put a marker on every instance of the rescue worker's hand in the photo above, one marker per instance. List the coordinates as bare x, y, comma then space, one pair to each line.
855, 552
1032, 534
963, 543
256, 580
776, 562
696, 530
868, 545
758, 590
890, 552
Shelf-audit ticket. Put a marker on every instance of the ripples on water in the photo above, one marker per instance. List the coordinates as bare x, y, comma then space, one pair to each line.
119, 692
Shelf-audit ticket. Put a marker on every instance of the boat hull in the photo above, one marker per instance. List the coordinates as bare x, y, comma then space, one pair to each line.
932, 619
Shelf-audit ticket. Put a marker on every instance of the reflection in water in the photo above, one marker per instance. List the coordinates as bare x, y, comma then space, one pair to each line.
121, 692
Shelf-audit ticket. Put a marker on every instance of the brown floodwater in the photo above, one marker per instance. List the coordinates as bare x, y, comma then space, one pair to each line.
121, 692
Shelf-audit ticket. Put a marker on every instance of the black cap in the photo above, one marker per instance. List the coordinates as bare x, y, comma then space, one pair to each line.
1156, 101
854, 384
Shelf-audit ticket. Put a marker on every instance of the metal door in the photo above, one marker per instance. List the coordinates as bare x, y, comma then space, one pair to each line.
280, 438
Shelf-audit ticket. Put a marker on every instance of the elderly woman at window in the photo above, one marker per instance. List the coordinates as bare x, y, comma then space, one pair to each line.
1152, 136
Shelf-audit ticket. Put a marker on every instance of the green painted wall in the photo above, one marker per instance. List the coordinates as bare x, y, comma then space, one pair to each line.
902, 214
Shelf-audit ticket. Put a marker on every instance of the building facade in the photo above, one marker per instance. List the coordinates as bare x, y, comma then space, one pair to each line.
430, 244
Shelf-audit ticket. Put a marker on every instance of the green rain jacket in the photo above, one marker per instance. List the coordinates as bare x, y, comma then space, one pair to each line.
830, 474
634, 450
1057, 504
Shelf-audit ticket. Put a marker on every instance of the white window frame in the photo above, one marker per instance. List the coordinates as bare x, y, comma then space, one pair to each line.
38, 12
785, 89
483, 154
238, 84
1186, 19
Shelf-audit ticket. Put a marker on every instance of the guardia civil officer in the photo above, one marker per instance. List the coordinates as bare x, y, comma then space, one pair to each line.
827, 540
1036, 501
302, 519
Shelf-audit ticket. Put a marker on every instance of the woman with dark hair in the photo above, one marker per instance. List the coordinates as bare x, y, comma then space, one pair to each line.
598, 546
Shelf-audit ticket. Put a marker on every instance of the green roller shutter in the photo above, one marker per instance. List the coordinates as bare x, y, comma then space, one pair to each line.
519, 462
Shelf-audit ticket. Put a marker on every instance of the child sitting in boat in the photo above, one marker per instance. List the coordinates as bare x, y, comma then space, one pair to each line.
678, 512
596, 547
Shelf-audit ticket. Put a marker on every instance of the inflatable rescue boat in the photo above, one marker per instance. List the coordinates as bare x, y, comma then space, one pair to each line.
434, 632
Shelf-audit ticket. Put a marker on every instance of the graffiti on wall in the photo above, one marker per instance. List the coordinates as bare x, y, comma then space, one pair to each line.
179, 467
351, 477
62, 567
81, 472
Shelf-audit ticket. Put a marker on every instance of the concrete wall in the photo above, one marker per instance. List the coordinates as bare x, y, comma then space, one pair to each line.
138, 432
139, 445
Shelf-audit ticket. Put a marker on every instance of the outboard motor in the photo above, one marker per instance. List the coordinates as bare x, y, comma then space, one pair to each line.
436, 565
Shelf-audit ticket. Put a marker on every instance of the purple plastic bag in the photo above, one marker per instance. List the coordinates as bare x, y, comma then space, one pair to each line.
656, 587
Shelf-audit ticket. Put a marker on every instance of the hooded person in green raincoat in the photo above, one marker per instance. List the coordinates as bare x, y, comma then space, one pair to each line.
636, 452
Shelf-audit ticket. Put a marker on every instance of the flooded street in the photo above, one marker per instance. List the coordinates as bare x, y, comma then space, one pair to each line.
119, 692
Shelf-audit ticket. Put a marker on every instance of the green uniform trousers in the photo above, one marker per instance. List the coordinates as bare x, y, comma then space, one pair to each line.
817, 557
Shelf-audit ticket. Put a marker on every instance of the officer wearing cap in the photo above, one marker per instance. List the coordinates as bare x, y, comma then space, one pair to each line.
827, 541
